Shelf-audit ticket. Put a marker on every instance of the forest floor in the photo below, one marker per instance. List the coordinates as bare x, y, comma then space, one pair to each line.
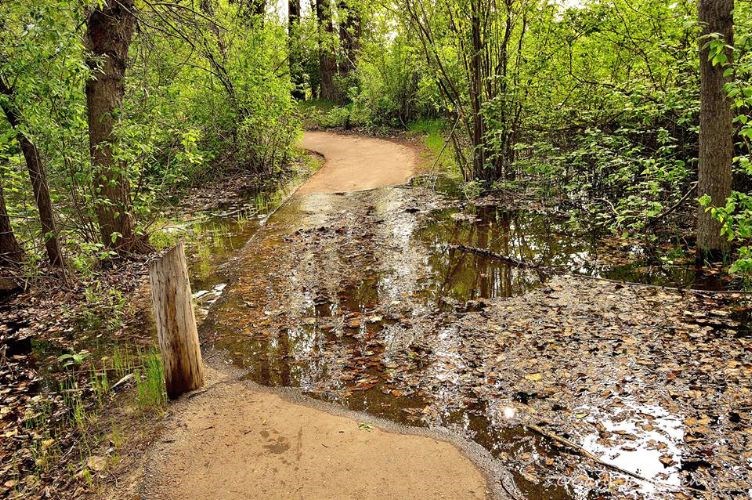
578, 384
548, 358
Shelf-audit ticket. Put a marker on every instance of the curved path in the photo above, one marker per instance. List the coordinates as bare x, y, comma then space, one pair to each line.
356, 163
237, 440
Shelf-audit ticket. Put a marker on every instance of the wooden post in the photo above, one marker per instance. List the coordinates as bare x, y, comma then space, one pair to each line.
176, 323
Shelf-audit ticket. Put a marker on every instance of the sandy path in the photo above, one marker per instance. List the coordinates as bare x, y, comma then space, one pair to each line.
236, 440
356, 163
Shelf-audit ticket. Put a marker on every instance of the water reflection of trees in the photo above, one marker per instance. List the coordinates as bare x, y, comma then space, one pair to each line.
526, 236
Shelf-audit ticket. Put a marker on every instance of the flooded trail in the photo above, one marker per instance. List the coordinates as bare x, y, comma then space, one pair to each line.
239, 440
366, 299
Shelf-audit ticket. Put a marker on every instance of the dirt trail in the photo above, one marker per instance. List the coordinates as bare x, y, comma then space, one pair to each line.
239, 442
236, 440
355, 163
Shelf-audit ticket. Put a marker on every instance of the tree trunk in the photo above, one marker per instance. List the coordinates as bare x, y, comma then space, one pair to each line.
716, 129
41, 189
176, 323
349, 36
108, 36
476, 96
293, 30
38, 177
327, 61
10, 251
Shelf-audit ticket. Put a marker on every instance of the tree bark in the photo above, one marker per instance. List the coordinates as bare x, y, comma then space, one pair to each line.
349, 35
327, 61
108, 36
476, 96
293, 33
38, 177
716, 128
10, 251
176, 323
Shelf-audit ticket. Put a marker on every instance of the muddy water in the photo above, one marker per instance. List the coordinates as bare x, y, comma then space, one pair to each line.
336, 294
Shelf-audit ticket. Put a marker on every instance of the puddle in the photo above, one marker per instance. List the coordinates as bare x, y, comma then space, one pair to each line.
204, 299
350, 365
649, 436
547, 243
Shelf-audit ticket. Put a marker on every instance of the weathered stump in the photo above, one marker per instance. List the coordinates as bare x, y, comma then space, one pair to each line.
176, 323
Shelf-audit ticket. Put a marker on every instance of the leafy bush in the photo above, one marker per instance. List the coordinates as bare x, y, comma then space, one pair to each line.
336, 118
736, 220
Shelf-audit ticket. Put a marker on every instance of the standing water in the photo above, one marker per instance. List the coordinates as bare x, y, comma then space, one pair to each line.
355, 298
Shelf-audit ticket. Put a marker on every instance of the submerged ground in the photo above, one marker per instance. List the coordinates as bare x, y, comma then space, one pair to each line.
236, 440
378, 300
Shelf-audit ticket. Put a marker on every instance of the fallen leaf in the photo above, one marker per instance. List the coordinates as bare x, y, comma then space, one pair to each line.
96, 463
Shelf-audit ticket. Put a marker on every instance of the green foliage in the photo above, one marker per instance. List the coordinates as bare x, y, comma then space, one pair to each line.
614, 121
596, 103
635, 181
338, 117
435, 138
202, 91
73, 359
150, 387
104, 311
41, 60
736, 220
392, 89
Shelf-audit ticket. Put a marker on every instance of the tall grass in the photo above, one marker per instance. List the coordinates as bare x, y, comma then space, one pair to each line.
150, 385
435, 135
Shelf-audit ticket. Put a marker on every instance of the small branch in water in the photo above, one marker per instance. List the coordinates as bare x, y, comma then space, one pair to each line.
493, 255
671, 209
584, 453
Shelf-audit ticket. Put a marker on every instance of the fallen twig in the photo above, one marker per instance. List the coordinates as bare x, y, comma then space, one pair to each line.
493, 255
585, 453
